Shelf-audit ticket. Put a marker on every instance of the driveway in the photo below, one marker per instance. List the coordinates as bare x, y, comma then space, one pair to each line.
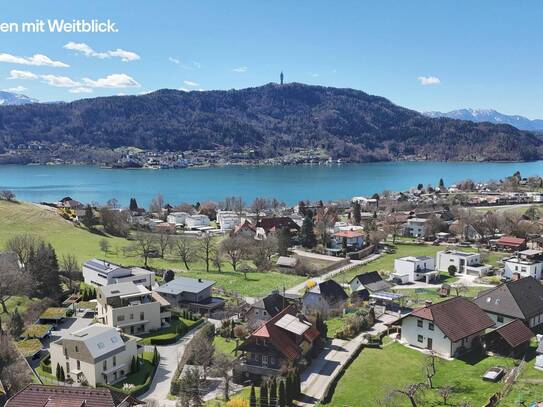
170, 356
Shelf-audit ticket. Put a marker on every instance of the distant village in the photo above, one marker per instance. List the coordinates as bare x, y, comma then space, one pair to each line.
438, 274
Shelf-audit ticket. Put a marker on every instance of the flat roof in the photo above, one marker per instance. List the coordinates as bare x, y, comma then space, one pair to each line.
123, 290
185, 284
102, 266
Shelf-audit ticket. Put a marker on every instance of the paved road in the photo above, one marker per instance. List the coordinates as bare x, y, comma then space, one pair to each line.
169, 359
330, 362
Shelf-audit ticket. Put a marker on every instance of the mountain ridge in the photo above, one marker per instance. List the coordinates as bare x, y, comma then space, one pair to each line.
271, 120
11, 99
491, 116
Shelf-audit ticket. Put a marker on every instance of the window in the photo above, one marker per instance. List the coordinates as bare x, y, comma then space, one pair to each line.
420, 338
142, 316
100, 345
114, 360
419, 323
76, 348
104, 366
131, 316
78, 365
120, 318
499, 318
67, 367
431, 326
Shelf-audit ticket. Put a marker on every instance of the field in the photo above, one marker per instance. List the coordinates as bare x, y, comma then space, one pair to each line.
376, 372
66, 238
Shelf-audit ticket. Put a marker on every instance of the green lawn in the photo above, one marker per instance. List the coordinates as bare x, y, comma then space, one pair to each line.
142, 376
178, 327
224, 345
29, 347
420, 295
66, 238
528, 388
376, 372
243, 394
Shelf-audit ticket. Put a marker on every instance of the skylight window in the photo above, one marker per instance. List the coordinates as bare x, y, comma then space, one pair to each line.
101, 345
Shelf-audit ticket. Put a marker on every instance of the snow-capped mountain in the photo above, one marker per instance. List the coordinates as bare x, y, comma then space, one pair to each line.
492, 116
8, 98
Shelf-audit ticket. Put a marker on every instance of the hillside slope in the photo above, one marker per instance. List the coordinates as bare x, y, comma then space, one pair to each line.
271, 119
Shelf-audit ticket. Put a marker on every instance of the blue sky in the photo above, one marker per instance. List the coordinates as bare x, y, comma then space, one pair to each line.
425, 55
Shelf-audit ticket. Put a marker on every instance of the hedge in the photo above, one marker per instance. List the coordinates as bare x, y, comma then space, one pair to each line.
175, 338
45, 364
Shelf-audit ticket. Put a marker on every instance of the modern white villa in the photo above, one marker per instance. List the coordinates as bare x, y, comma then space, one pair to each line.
196, 221
410, 269
464, 263
95, 355
101, 273
132, 308
415, 227
524, 264
228, 220
177, 218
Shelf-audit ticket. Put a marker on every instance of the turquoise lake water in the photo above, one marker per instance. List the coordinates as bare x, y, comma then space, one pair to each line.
289, 184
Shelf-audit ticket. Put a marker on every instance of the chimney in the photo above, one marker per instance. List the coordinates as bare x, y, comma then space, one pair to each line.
427, 303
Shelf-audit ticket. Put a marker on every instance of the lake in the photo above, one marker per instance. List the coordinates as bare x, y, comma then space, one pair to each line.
289, 184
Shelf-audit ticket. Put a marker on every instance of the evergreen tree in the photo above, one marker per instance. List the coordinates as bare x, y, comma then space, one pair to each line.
252, 397
155, 356
357, 215
44, 270
282, 394
263, 394
134, 365
289, 389
302, 208
88, 219
16, 326
307, 232
57, 372
441, 183
133, 205
273, 393
297, 384
62, 376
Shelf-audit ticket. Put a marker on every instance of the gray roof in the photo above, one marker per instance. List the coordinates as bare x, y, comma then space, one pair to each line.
101, 265
123, 289
521, 299
185, 284
98, 339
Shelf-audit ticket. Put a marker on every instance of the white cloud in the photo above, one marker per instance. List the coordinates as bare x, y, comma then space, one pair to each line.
241, 69
429, 80
85, 49
80, 89
16, 89
16, 74
60, 81
35, 60
191, 83
118, 80
189, 66
176, 61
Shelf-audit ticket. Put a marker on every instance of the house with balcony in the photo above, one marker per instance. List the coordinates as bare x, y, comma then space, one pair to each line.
410, 269
191, 293
286, 339
415, 227
97, 354
177, 218
132, 308
349, 240
524, 264
463, 262
101, 273
449, 328
326, 298
228, 220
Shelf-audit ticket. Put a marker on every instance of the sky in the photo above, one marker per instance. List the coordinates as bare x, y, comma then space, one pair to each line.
424, 55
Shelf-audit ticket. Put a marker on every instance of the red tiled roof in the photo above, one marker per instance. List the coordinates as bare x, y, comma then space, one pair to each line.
515, 333
457, 317
244, 225
511, 241
63, 396
349, 233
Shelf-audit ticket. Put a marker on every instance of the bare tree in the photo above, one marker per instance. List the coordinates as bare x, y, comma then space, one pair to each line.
207, 247
430, 368
104, 246
112, 203
445, 392
235, 249
202, 351
222, 367
263, 250
163, 241
459, 288
7, 195
184, 249
156, 205
411, 391
22, 245
144, 246
69, 268
325, 219
12, 282
258, 205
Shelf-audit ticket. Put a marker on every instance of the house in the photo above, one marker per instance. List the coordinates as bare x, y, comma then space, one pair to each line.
448, 328
196, 221
463, 262
101, 273
512, 338
326, 298
415, 227
516, 299
508, 243
165, 228
70, 396
97, 354
130, 307
228, 220
286, 339
410, 269
365, 284
271, 225
351, 240
191, 293
177, 218
525, 263
268, 307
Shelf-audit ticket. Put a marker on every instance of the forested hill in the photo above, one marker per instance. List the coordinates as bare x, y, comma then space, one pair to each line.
272, 119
